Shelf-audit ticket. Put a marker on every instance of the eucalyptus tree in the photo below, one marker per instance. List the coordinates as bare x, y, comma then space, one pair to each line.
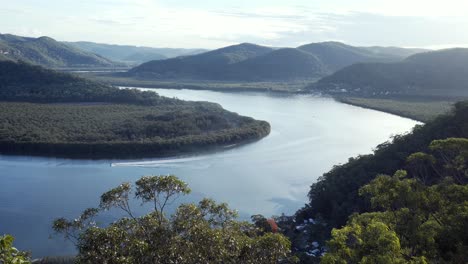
206, 232
9, 254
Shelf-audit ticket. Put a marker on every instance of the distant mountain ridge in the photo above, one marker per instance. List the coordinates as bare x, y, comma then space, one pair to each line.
250, 62
441, 73
48, 52
133, 54
209, 65
337, 55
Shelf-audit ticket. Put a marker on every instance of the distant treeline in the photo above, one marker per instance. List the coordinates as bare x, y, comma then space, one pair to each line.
24, 82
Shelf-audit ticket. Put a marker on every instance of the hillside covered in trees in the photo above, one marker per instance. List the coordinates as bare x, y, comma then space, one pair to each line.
436, 74
24, 82
419, 212
44, 112
208, 65
49, 53
249, 62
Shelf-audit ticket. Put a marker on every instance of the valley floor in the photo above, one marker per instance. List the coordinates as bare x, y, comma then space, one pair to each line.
420, 110
224, 86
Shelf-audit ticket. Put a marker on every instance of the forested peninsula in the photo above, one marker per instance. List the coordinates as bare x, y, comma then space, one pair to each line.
47, 113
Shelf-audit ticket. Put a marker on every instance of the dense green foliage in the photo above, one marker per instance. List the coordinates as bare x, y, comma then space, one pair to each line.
26, 82
48, 52
432, 74
86, 119
206, 232
132, 54
121, 131
248, 62
9, 254
335, 196
55, 260
419, 215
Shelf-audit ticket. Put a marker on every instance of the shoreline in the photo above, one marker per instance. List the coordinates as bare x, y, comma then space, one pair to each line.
207, 85
128, 158
413, 114
279, 92
418, 110
383, 110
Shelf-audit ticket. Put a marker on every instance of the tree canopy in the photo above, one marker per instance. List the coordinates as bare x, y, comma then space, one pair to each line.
207, 232
11, 255
72, 117
413, 220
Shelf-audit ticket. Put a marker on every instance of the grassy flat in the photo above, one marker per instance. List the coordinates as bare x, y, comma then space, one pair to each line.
418, 110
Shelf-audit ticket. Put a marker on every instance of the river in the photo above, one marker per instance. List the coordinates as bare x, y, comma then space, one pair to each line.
309, 135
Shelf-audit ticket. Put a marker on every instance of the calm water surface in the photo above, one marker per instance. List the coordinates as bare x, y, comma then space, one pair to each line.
309, 135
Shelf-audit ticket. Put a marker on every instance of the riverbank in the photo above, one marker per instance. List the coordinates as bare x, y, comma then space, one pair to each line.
122, 131
208, 85
419, 110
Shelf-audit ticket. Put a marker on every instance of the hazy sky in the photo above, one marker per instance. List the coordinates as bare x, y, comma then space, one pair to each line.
216, 23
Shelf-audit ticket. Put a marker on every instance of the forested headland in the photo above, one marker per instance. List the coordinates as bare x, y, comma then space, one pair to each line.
412, 191
47, 113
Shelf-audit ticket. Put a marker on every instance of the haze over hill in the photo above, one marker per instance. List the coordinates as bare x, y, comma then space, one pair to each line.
441, 73
48, 52
208, 65
133, 54
336, 55
249, 62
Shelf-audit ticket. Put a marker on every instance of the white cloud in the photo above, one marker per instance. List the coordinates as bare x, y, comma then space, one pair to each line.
211, 24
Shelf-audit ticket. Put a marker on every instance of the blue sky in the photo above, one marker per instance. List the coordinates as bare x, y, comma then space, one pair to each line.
212, 24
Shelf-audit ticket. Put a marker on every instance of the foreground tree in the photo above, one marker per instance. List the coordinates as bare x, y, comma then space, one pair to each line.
206, 232
412, 222
9, 254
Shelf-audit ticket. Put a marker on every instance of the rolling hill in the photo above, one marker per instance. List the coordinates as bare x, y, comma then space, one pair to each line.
208, 65
48, 52
336, 55
442, 74
281, 64
133, 54
249, 62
